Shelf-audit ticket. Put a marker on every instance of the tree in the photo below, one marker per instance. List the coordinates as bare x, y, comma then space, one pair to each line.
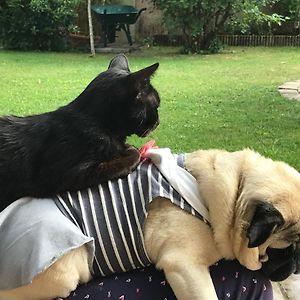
290, 8
91, 31
200, 21
90, 22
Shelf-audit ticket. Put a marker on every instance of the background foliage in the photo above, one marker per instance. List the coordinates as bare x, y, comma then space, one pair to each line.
201, 20
290, 8
36, 24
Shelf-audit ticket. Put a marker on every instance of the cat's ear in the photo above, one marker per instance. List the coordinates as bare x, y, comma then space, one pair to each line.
120, 62
142, 77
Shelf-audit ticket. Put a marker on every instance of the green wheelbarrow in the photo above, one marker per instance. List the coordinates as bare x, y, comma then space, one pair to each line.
115, 18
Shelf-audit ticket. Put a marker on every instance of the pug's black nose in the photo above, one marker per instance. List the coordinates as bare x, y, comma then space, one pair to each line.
297, 258
281, 263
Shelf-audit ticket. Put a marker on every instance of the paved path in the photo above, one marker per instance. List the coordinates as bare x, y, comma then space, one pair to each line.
290, 90
290, 288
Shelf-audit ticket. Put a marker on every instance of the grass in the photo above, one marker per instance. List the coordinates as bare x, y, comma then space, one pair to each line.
229, 100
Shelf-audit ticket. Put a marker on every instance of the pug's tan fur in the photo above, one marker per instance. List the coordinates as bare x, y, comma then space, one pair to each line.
230, 184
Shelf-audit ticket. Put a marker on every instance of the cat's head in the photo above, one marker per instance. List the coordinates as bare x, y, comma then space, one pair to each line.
122, 101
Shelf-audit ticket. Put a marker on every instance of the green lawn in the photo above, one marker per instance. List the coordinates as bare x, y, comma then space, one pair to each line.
229, 100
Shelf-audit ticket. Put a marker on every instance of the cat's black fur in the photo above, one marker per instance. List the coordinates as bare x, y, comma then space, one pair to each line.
82, 143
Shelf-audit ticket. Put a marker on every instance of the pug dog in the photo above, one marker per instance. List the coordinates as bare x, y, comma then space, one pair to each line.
258, 224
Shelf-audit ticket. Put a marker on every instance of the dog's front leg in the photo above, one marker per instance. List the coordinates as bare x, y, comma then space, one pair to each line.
59, 280
188, 280
182, 246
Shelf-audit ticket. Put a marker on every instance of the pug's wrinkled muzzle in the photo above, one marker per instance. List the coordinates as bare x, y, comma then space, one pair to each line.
282, 263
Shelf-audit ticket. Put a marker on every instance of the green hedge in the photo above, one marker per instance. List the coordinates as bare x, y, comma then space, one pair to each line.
36, 24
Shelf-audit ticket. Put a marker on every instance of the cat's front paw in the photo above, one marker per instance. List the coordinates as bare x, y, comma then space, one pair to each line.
120, 166
132, 151
132, 156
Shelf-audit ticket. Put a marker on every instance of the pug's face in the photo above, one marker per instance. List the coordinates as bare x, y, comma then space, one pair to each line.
259, 223
271, 219
278, 240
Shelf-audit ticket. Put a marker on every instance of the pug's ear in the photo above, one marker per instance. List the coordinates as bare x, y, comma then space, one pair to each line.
265, 221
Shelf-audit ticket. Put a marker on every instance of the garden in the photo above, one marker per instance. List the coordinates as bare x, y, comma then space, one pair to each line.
215, 92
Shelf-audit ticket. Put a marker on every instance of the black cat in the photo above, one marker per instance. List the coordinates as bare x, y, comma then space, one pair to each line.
82, 143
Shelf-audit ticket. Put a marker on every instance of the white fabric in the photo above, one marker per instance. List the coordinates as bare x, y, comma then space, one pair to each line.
181, 180
33, 235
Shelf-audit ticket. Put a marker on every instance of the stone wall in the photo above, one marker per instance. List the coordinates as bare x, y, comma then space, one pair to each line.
150, 22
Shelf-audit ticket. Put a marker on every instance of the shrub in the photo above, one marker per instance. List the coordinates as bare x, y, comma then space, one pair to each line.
36, 24
200, 21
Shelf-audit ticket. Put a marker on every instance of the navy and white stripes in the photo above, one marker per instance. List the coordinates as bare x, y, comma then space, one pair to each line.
113, 213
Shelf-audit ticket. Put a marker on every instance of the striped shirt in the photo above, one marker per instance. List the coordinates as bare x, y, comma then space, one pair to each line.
113, 213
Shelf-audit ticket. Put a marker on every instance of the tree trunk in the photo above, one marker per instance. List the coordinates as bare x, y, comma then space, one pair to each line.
91, 32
